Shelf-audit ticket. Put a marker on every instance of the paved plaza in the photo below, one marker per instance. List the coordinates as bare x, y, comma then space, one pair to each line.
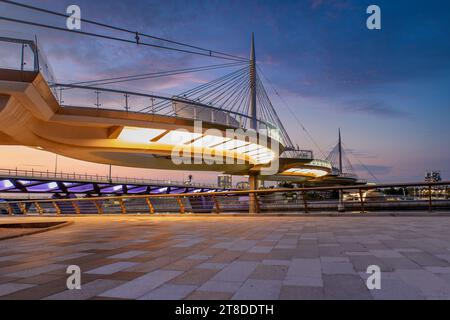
132, 257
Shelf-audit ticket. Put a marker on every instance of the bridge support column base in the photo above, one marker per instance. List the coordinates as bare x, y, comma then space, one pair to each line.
253, 199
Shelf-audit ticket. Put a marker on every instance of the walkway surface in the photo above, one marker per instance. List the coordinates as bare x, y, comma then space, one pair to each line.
130, 257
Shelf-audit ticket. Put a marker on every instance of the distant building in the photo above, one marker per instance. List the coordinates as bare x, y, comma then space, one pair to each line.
224, 181
433, 176
242, 185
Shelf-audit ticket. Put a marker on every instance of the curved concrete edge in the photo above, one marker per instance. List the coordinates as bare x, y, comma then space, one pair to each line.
29, 233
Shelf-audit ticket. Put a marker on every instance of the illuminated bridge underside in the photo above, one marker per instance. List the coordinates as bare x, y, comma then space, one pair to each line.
31, 116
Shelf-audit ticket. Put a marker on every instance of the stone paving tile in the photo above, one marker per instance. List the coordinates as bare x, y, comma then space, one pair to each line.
212, 265
38, 291
386, 254
37, 271
182, 265
393, 288
71, 256
226, 257
258, 289
430, 284
142, 285
41, 279
112, 268
169, 292
347, 287
260, 249
209, 295
14, 257
301, 293
236, 271
122, 276
5, 279
87, 290
7, 288
127, 254
361, 262
337, 268
269, 272
252, 256
304, 272
438, 270
198, 257
400, 263
195, 276
229, 257
14, 267
276, 262
220, 286
152, 264
426, 259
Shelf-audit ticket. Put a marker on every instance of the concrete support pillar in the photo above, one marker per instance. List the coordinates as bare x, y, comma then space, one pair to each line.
341, 207
253, 185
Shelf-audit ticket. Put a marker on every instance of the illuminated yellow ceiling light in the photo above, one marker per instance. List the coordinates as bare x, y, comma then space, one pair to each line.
230, 145
178, 137
208, 140
248, 148
306, 172
259, 151
139, 135
254, 153
266, 158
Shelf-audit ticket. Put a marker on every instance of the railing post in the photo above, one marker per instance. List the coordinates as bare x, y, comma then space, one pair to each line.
258, 208
99, 207
361, 201
9, 209
180, 203
39, 208
430, 201
23, 208
216, 205
341, 207
57, 208
122, 206
76, 207
150, 205
305, 201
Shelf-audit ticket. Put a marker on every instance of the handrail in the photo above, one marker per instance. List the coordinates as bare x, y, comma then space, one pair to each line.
248, 192
18, 173
147, 95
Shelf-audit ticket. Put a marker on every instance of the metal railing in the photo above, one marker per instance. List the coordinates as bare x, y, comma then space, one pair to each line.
25, 54
356, 199
22, 52
48, 175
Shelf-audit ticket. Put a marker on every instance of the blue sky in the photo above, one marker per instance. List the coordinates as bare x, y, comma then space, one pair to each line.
387, 89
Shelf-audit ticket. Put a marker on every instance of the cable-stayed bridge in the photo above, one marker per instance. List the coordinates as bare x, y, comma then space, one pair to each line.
98, 122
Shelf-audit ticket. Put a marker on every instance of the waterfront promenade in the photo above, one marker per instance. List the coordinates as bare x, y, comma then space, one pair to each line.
220, 257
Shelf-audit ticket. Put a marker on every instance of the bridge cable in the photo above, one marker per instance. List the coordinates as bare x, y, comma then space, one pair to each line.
362, 164
145, 76
91, 34
207, 52
293, 114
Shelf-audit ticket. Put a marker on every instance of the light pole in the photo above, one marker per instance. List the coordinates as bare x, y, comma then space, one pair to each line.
56, 164
341, 207
110, 173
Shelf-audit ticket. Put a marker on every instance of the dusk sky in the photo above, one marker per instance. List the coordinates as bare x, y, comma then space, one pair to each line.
388, 90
